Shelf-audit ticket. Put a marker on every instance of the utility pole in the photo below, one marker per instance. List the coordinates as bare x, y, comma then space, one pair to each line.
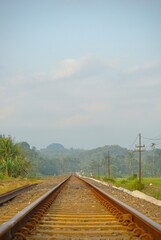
140, 150
108, 157
98, 169
153, 147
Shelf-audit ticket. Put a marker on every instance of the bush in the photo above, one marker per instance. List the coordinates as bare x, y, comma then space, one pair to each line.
123, 181
1, 176
108, 179
130, 184
97, 177
136, 185
157, 195
132, 177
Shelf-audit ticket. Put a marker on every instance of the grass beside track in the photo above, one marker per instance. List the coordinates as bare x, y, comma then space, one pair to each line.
152, 187
8, 184
149, 186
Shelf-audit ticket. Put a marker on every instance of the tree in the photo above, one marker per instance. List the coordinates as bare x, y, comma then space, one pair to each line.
131, 162
11, 159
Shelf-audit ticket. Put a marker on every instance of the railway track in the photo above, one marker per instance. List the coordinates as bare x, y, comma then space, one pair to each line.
77, 210
13, 193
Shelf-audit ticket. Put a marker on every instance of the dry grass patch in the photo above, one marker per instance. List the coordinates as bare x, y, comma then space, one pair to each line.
9, 184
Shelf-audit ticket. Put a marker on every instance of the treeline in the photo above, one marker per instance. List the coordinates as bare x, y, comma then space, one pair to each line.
58, 160
19, 159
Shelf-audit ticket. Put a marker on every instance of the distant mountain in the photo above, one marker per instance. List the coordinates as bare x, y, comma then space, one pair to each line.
55, 146
115, 150
54, 149
85, 160
57, 149
56, 159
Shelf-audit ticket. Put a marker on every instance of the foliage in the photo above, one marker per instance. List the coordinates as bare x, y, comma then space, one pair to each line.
55, 159
152, 187
32, 158
132, 177
130, 184
95, 163
11, 158
156, 195
109, 179
136, 185
1, 176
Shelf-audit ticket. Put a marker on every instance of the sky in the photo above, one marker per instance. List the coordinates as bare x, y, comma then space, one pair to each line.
83, 73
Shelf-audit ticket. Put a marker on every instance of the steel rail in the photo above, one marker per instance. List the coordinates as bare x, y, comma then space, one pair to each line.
5, 197
140, 219
8, 229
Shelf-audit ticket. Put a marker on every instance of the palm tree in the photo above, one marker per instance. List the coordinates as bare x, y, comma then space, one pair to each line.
8, 155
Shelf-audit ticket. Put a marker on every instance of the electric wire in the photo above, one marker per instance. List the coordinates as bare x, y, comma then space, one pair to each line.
133, 142
153, 145
155, 139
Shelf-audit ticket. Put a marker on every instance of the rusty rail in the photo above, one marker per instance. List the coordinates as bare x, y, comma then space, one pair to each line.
8, 229
13, 193
150, 226
134, 220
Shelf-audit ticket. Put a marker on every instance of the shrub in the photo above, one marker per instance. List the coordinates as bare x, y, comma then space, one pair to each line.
1, 176
132, 177
136, 185
123, 181
157, 195
108, 179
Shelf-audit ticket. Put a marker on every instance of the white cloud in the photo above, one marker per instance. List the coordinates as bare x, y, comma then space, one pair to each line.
82, 93
147, 74
146, 67
67, 68
82, 67
86, 67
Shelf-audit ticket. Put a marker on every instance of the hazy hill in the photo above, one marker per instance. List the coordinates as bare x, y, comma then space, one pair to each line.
55, 146
55, 159
59, 149
122, 161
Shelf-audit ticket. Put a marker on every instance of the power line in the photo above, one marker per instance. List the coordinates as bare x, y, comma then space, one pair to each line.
153, 139
133, 142
157, 136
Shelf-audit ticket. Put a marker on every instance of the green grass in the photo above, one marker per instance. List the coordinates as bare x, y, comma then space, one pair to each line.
152, 187
156, 181
130, 184
149, 186
156, 195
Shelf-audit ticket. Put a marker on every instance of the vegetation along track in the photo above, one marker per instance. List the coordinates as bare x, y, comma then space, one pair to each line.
77, 210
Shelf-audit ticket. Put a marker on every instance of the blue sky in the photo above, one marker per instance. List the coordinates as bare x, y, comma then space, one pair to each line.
83, 73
